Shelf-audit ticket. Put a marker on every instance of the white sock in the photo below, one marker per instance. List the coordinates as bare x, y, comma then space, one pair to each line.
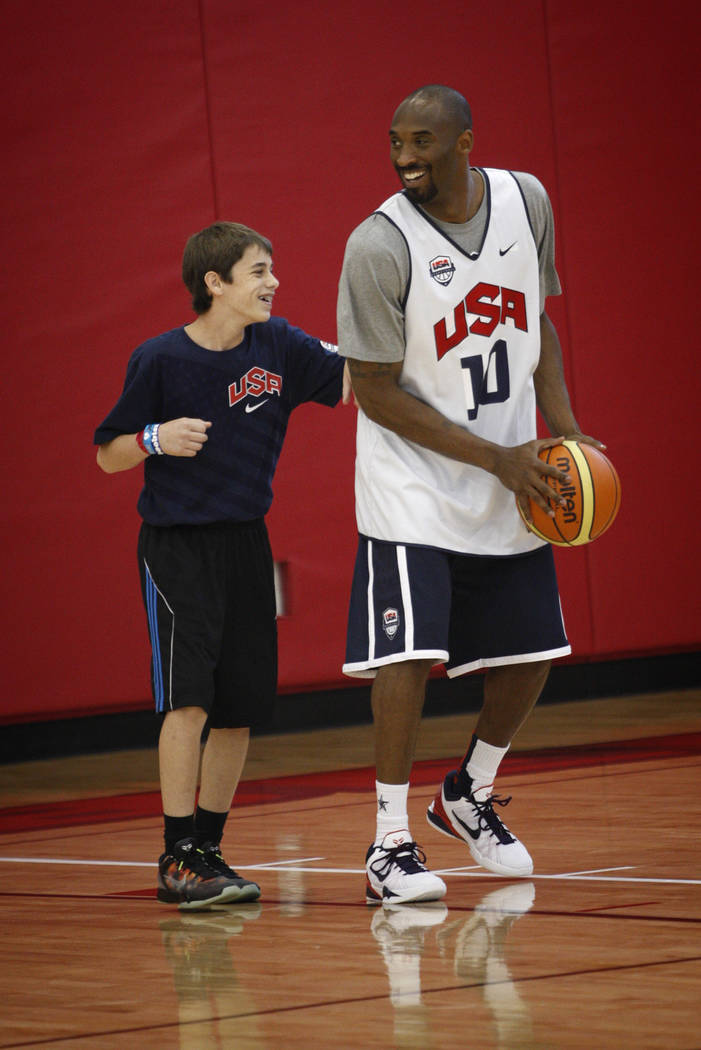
482, 768
391, 808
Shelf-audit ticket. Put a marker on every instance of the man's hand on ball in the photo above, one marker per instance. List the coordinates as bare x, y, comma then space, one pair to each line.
520, 469
183, 437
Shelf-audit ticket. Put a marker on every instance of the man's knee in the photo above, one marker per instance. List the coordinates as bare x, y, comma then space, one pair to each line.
416, 671
528, 671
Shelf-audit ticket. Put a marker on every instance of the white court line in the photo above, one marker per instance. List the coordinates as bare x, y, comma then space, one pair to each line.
565, 875
282, 864
273, 865
571, 877
287, 866
601, 878
597, 871
89, 863
463, 867
307, 871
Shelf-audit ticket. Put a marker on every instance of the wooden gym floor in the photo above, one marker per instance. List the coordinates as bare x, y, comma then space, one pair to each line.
600, 948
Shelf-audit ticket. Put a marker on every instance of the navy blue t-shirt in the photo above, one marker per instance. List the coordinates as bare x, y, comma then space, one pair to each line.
248, 394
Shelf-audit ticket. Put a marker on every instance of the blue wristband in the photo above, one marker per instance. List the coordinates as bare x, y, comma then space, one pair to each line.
148, 439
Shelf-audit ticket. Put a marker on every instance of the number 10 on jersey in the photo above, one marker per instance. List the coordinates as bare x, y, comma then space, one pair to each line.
486, 386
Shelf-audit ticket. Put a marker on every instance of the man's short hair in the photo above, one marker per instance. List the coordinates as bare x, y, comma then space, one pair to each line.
450, 101
218, 247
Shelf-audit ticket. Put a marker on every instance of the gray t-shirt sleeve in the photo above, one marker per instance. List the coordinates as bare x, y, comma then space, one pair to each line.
541, 215
377, 267
374, 278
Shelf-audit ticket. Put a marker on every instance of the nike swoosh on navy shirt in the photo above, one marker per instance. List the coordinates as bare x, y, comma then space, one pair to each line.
252, 408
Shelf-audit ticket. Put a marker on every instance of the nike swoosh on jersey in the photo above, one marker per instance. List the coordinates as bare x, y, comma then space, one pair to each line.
505, 250
258, 404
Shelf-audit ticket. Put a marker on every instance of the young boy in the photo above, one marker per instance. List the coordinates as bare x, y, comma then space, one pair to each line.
205, 408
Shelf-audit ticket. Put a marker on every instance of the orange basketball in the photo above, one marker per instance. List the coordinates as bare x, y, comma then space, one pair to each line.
593, 496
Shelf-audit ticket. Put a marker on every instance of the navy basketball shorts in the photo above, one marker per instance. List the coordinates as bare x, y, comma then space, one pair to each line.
469, 612
209, 594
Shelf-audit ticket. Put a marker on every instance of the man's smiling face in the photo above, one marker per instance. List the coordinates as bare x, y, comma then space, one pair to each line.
429, 153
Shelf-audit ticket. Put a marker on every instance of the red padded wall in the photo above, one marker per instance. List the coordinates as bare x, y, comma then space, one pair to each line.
129, 127
106, 171
625, 99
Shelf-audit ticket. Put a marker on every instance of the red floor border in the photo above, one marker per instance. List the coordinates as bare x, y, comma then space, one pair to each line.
112, 808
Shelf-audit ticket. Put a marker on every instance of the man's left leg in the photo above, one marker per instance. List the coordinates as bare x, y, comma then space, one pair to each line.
464, 804
515, 629
510, 694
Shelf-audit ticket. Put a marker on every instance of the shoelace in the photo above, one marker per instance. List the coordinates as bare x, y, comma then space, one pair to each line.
489, 821
408, 856
213, 858
196, 862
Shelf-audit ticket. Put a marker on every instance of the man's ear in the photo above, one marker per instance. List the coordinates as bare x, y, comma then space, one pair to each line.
465, 142
213, 282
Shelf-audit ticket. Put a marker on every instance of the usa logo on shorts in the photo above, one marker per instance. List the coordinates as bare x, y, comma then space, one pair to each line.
390, 622
442, 269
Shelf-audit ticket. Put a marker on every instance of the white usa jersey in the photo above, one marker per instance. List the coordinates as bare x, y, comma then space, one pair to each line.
472, 333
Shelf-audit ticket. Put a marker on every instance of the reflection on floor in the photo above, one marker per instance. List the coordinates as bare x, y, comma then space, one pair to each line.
600, 947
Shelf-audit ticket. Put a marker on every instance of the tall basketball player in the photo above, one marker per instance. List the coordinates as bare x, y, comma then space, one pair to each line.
442, 316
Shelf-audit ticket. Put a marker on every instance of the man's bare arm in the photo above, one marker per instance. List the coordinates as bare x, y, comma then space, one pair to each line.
385, 402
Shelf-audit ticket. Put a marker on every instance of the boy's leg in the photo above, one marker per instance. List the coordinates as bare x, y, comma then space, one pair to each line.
223, 759
244, 681
189, 875
185, 874
181, 574
179, 746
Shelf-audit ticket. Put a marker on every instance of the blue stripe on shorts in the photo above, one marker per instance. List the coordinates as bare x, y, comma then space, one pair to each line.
156, 659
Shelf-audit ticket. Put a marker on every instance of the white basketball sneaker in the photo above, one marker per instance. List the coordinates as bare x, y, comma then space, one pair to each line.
395, 872
490, 842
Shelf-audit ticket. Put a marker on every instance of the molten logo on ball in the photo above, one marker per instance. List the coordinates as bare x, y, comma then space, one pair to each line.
592, 496
568, 492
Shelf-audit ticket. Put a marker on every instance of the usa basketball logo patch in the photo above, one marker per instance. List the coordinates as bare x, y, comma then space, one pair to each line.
442, 269
390, 622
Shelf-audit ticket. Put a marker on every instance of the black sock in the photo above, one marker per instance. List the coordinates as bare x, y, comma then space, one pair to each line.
177, 828
209, 826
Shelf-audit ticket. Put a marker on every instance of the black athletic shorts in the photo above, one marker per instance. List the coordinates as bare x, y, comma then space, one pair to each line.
209, 594
467, 611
